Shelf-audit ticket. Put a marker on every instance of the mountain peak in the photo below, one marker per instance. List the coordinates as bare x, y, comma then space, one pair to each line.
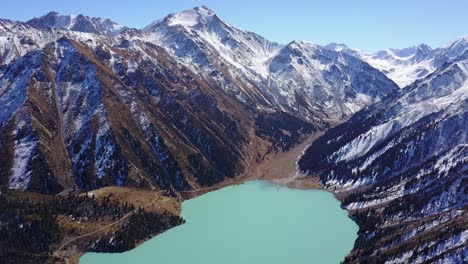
459, 44
424, 46
200, 15
191, 17
79, 23
52, 13
336, 46
299, 44
463, 39
52, 19
204, 8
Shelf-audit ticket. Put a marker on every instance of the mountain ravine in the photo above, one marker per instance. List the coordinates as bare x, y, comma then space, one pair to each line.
105, 128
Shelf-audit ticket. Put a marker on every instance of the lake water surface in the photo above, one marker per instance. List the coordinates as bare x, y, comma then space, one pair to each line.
256, 222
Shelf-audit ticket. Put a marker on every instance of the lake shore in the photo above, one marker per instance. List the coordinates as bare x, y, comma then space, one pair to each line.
258, 221
277, 167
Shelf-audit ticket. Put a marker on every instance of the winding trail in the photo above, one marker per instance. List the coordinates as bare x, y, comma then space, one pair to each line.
225, 183
66, 243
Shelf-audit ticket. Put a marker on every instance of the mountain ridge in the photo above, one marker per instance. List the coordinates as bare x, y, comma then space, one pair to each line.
79, 23
403, 162
406, 65
207, 37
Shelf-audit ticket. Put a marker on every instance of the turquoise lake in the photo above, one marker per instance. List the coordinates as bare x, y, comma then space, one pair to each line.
256, 222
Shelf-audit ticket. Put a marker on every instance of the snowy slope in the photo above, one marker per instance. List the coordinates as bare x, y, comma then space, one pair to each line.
241, 63
242, 49
83, 113
79, 23
406, 160
311, 79
19, 38
405, 66
268, 75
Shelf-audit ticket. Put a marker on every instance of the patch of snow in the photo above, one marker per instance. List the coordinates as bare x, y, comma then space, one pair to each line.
23, 153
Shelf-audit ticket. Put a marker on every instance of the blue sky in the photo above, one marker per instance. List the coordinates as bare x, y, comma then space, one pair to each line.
366, 24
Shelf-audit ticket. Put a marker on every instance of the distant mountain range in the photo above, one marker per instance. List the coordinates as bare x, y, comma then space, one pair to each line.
77, 23
186, 102
404, 66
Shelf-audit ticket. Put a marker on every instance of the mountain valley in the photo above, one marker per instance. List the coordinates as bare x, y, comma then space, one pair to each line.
95, 113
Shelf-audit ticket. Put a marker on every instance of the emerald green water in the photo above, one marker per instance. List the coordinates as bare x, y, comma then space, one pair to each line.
255, 222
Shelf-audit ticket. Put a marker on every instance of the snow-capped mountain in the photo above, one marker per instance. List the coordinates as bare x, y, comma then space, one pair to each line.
401, 163
312, 82
319, 82
209, 33
405, 66
84, 110
81, 116
19, 38
236, 60
69, 66
78, 23
16, 39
